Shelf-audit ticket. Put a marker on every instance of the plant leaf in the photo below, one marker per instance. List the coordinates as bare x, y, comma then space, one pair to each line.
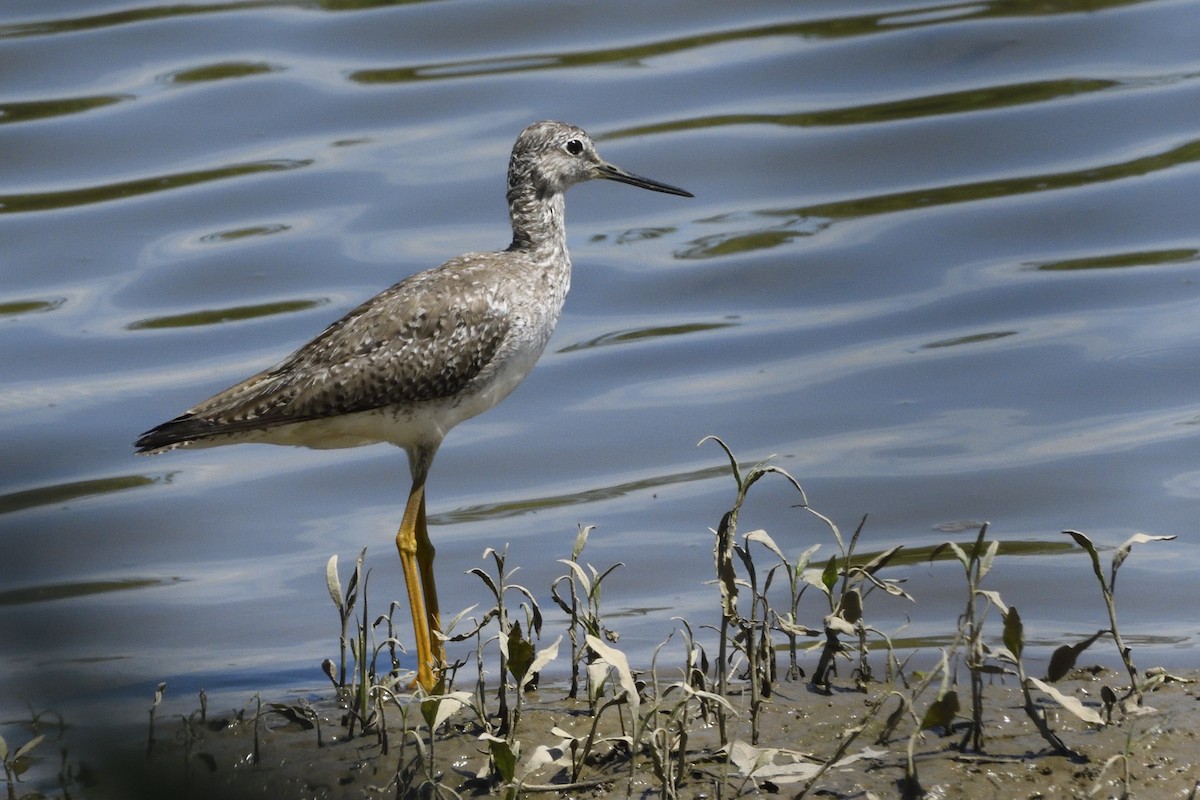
1123, 553
709, 696
830, 575
334, 583
487, 579
815, 577
1087, 545
994, 598
1014, 632
851, 607
520, 654
581, 540
749, 759
955, 549
438, 708
617, 660
24, 749
543, 755
733, 465
941, 714
788, 625
1062, 660
1071, 704
985, 563
547, 654
581, 577
502, 756
835, 624
880, 561
803, 561
294, 714
763, 538
597, 672
1000, 652
594, 594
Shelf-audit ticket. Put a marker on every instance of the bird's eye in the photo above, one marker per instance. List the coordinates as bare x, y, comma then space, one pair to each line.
574, 147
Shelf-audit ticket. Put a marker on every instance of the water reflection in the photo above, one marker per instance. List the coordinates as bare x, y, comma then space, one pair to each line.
58, 494
217, 316
50, 201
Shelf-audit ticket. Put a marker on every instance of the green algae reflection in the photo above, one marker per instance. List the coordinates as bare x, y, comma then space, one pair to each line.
59, 493
216, 316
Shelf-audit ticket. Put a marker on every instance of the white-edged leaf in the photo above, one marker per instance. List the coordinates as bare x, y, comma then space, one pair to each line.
985, 563
597, 672
733, 464
764, 538
447, 705
958, 552
880, 561
1071, 704
334, 583
747, 758
815, 577
836, 624
620, 663
1123, 553
893, 589
715, 698
866, 752
581, 540
804, 559
547, 654
1086, 543
789, 626
580, 575
543, 755
761, 763
24, 749
487, 579
995, 599
1001, 652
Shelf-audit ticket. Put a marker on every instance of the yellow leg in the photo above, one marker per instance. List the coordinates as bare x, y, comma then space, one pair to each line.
425, 553
416, 559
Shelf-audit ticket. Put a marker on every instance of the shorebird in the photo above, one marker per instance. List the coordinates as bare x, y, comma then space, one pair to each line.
420, 357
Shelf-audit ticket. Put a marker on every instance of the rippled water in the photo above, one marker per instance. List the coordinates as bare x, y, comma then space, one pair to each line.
942, 262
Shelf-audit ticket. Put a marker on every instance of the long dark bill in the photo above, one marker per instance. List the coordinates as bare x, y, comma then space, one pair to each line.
609, 172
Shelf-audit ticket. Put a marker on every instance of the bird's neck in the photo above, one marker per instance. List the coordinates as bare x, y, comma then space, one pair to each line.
538, 223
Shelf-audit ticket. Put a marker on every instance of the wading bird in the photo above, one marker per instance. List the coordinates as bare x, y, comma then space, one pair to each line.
412, 362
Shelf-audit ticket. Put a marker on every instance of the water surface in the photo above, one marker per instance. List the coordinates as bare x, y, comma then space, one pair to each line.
941, 264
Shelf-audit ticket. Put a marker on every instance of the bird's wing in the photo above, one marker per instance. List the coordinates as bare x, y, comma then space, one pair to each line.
424, 338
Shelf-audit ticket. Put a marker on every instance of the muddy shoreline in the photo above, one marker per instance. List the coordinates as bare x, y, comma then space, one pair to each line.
1152, 752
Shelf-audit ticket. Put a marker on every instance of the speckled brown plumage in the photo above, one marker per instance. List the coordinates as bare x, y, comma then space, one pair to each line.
432, 350
424, 339
417, 359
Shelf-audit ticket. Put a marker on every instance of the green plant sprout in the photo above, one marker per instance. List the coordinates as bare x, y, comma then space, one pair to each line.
983, 659
644, 730
788, 623
158, 696
582, 604
1109, 588
736, 629
344, 602
516, 649
846, 613
16, 762
976, 564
